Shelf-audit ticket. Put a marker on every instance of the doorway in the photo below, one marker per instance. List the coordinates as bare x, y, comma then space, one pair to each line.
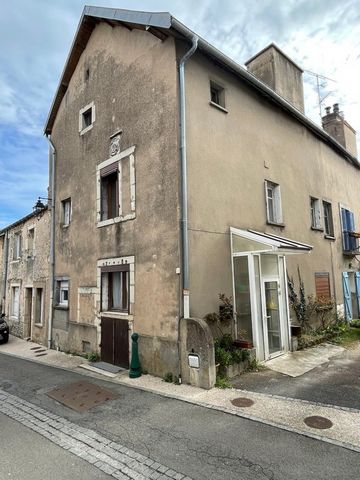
115, 341
272, 316
28, 312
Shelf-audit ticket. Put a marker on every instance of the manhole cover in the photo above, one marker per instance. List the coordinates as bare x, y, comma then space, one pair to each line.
81, 396
242, 402
318, 422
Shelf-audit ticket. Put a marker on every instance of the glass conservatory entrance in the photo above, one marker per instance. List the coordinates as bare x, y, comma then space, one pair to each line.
261, 310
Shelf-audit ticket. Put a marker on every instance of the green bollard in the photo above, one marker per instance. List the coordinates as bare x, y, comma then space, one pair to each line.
135, 367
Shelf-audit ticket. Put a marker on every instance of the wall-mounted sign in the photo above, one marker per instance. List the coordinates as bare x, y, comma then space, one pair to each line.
194, 360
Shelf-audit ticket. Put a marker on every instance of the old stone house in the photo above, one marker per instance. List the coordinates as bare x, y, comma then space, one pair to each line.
24, 275
178, 175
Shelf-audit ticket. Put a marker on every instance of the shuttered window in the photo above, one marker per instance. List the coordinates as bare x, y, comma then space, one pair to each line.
348, 226
322, 284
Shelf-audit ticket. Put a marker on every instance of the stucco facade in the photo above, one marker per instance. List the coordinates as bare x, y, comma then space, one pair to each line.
132, 84
253, 142
25, 276
254, 162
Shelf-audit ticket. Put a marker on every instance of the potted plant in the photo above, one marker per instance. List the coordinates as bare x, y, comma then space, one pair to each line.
242, 342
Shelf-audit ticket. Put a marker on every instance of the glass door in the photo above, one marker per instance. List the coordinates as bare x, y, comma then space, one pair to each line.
272, 317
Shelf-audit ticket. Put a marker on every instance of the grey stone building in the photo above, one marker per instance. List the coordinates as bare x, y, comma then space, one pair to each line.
24, 275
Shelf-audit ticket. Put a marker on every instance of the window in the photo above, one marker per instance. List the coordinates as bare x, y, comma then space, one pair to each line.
116, 188
322, 285
109, 192
86, 118
62, 293
328, 220
39, 306
217, 94
115, 288
315, 213
348, 227
66, 212
273, 202
15, 302
17, 246
31, 241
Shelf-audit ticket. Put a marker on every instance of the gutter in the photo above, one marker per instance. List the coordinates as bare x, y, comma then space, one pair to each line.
184, 189
264, 90
52, 163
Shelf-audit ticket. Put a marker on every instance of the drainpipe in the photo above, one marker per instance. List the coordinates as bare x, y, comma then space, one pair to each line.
5, 263
184, 193
52, 162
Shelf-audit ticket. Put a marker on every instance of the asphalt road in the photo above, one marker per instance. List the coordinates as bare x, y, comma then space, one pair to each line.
336, 382
201, 443
29, 456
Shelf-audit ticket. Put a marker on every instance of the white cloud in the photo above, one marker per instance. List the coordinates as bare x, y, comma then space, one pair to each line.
322, 36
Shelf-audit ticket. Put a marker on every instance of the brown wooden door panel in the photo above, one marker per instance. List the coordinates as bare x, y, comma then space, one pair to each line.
107, 340
121, 343
115, 341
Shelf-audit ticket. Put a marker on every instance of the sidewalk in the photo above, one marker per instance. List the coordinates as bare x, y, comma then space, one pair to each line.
280, 412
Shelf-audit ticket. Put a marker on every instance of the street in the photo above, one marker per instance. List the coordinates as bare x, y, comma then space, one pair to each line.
194, 441
29, 456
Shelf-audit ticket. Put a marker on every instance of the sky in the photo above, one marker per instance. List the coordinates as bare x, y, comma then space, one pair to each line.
322, 36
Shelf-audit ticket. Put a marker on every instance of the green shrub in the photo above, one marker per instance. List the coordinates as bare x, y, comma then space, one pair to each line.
93, 356
222, 356
222, 382
168, 377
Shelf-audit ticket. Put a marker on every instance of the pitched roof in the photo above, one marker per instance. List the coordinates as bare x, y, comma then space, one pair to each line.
163, 24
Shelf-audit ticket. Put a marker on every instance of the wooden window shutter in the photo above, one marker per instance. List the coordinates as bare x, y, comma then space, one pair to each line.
322, 284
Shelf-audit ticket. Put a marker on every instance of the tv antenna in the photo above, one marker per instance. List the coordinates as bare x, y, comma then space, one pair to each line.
321, 82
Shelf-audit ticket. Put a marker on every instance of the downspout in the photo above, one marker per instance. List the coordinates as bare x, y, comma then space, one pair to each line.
184, 187
5, 263
52, 162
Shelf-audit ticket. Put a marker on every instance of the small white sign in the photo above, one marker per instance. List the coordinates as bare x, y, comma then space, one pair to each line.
194, 361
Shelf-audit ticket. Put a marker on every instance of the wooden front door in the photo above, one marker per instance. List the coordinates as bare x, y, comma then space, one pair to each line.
115, 341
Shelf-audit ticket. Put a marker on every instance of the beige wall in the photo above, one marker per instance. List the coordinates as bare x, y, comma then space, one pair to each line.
30, 271
229, 157
133, 84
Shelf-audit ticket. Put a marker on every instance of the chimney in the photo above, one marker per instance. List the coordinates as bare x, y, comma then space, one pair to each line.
279, 72
335, 125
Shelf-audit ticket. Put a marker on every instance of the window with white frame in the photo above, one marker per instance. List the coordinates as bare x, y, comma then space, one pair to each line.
116, 188
17, 246
273, 202
217, 94
62, 293
315, 213
328, 219
15, 301
39, 306
86, 118
66, 212
115, 288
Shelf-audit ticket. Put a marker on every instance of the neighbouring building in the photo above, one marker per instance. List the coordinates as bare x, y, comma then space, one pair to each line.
24, 280
154, 217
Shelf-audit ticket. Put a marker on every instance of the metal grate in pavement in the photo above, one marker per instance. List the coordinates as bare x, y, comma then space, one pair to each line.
242, 402
81, 396
318, 422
